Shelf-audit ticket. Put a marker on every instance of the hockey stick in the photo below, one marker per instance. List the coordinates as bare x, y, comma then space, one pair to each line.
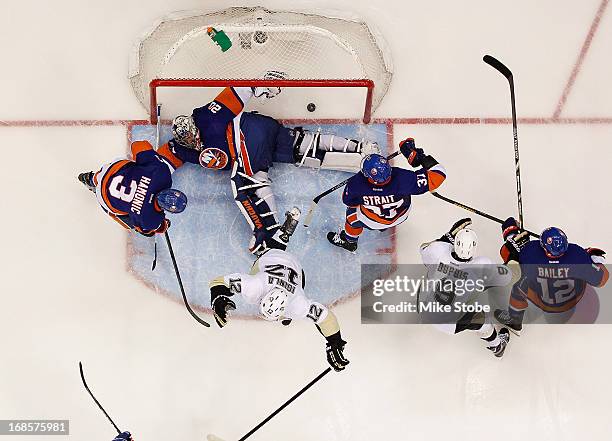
157, 135
94, 398
180, 282
501, 68
475, 211
316, 199
277, 411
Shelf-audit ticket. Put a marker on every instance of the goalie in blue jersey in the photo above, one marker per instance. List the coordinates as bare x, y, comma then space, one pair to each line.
222, 136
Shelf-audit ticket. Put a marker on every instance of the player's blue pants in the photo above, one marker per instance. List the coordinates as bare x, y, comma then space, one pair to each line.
353, 227
518, 303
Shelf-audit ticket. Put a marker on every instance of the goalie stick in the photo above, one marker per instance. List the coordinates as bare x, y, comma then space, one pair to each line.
212, 437
478, 212
94, 398
316, 199
180, 282
501, 68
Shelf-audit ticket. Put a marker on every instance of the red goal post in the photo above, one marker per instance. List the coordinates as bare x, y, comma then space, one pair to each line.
323, 83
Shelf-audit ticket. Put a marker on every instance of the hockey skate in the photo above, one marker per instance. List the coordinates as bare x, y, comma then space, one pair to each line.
503, 317
504, 337
339, 240
86, 179
292, 218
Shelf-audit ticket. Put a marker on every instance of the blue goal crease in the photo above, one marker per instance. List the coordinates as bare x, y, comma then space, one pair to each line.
210, 238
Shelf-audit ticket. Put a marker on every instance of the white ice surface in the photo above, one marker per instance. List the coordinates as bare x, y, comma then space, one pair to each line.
67, 296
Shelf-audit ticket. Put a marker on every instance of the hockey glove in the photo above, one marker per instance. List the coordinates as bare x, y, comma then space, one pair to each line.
413, 155
510, 227
457, 226
597, 255
163, 227
270, 92
257, 245
87, 180
335, 352
264, 240
123, 436
511, 249
221, 303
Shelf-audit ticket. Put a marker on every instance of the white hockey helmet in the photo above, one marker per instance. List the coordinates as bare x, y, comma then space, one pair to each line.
465, 243
272, 305
185, 132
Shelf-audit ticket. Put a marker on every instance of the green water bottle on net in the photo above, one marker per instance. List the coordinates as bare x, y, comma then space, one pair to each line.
220, 38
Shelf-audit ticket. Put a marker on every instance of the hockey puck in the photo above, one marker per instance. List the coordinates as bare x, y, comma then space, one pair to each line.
311, 107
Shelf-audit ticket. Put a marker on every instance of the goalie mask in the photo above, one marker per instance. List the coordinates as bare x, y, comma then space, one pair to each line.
185, 132
272, 305
465, 244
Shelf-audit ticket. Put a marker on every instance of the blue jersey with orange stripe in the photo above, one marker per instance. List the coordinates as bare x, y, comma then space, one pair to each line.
556, 284
126, 188
380, 207
227, 133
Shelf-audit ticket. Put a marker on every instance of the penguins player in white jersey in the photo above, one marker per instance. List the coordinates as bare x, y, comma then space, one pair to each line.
276, 283
452, 258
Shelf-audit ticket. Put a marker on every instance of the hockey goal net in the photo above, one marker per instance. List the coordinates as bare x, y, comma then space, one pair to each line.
334, 65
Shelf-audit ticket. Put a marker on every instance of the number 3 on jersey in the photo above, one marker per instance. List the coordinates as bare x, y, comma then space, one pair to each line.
118, 191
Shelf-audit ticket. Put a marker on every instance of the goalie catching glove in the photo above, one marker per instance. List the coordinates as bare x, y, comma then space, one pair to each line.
269, 92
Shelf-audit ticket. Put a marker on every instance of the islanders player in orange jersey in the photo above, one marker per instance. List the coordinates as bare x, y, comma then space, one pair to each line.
224, 137
137, 192
380, 196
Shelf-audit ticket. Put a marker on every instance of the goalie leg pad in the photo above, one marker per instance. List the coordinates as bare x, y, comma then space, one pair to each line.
349, 162
264, 193
328, 151
254, 199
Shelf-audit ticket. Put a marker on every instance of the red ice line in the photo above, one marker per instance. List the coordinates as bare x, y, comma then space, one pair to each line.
387, 121
583, 52
555, 119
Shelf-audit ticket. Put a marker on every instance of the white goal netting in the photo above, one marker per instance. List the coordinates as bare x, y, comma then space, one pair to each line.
303, 45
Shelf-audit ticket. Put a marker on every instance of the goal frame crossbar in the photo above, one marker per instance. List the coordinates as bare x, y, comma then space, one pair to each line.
185, 82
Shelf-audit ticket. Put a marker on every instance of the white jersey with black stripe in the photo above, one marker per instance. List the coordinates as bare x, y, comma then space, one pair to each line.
277, 268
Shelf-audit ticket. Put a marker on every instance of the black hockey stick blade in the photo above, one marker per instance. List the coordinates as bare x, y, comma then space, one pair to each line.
154, 264
317, 198
180, 282
476, 211
94, 398
497, 65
